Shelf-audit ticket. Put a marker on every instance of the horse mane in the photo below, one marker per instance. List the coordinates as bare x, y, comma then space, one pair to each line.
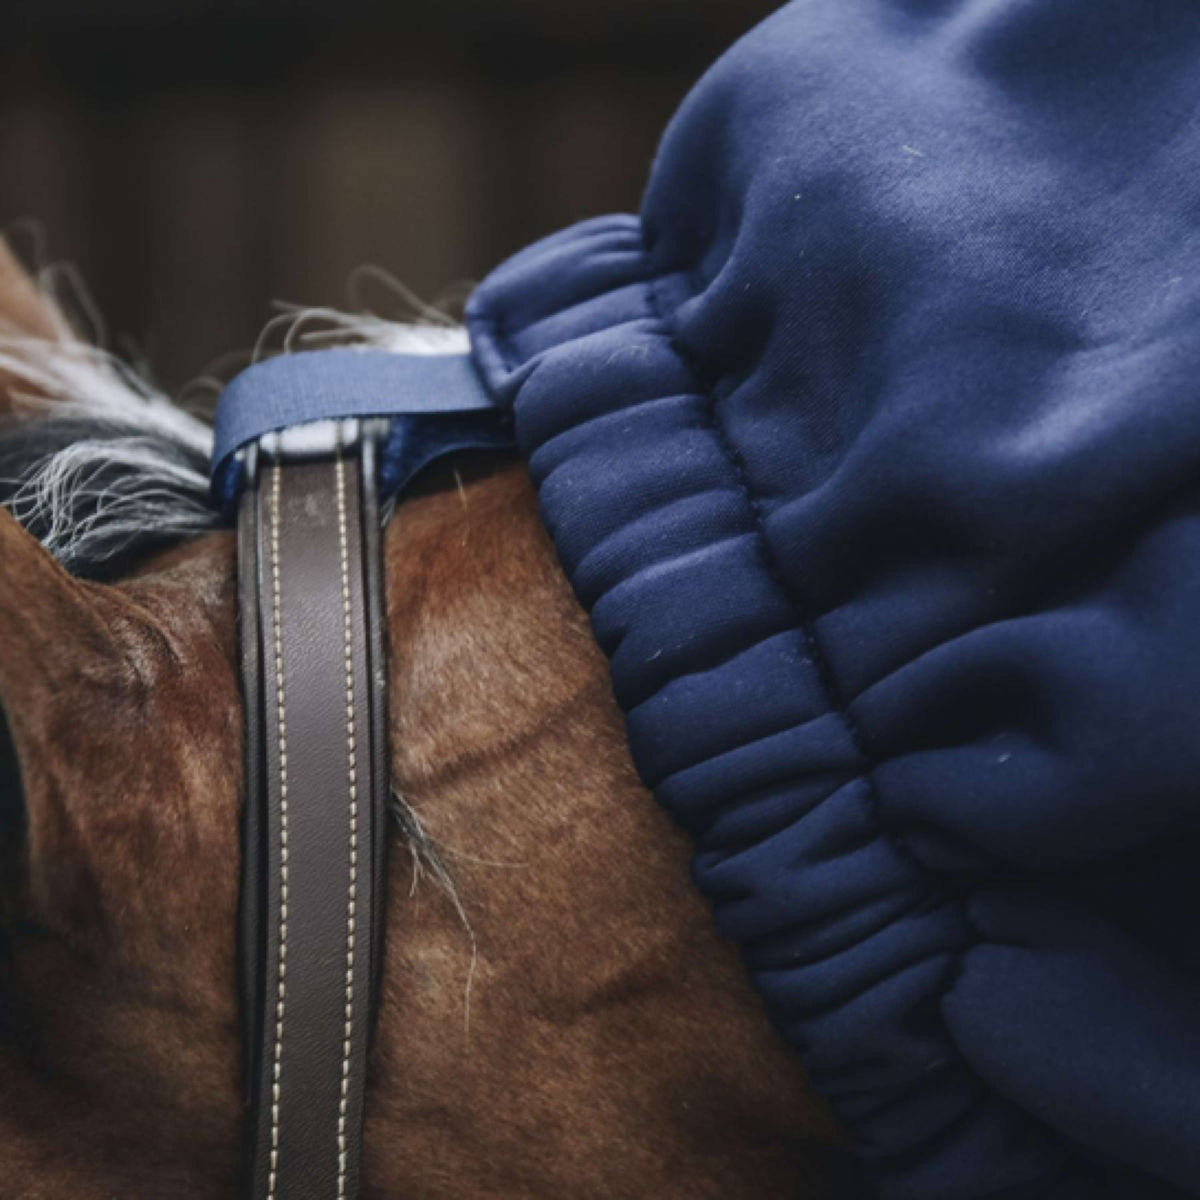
96, 463
104, 468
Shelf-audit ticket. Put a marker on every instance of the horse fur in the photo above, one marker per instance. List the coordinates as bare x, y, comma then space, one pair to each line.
613, 1048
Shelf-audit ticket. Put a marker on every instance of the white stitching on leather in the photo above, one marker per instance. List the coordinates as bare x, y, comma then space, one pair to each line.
281, 992
352, 761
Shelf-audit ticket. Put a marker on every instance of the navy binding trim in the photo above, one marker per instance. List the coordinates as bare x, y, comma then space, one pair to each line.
437, 404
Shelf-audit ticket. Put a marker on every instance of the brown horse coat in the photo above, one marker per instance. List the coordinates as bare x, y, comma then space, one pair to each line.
565, 1023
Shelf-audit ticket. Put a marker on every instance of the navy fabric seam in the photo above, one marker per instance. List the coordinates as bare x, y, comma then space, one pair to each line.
753, 946
957, 954
853, 771
802, 622
499, 337
732, 848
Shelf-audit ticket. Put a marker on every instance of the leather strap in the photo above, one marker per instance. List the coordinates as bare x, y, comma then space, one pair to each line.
302, 446
314, 826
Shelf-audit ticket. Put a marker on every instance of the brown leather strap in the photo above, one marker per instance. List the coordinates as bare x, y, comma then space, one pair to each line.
314, 824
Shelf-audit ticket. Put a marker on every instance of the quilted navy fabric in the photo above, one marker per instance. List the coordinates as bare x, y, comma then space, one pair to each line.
873, 448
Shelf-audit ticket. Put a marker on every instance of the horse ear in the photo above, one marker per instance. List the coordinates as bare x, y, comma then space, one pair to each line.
25, 313
23, 306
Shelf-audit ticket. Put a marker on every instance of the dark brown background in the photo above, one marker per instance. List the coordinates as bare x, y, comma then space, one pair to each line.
199, 160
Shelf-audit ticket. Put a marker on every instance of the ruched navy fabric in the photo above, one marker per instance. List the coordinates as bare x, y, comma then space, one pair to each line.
872, 446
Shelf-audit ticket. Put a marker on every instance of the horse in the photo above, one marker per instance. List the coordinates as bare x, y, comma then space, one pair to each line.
558, 1016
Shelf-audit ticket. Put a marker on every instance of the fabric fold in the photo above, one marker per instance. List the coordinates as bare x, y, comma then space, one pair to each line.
871, 449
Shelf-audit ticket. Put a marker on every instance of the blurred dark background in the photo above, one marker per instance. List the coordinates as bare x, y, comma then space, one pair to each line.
198, 160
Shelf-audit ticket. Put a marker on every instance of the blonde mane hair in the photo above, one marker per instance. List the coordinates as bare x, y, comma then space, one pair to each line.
100, 464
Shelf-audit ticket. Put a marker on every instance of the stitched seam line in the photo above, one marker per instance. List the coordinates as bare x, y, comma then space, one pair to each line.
816, 651
352, 769
800, 622
281, 962
838, 705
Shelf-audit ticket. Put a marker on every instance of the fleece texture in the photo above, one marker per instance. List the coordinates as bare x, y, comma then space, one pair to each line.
872, 446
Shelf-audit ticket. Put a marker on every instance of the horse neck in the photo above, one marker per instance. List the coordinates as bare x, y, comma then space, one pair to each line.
563, 994
557, 1016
